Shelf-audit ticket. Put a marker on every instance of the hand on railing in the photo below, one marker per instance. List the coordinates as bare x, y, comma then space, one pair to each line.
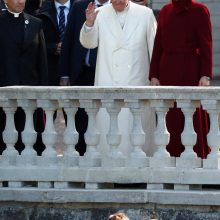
204, 81
154, 82
64, 81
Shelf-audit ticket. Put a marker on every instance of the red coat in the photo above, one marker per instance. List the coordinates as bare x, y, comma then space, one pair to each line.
182, 54
183, 45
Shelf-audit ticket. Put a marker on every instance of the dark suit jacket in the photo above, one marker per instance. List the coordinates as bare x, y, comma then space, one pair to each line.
73, 54
23, 64
48, 14
32, 6
2, 5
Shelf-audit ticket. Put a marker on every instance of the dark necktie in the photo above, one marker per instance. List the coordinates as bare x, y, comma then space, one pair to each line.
61, 22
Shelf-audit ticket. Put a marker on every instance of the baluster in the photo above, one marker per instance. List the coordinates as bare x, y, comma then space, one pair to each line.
49, 155
161, 157
71, 136
92, 157
115, 157
138, 157
213, 137
188, 158
10, 134
28, 155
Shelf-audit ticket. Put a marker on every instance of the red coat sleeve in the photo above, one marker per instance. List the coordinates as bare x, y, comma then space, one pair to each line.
204, 32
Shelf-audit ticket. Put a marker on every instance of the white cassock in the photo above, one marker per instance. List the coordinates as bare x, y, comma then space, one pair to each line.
125, 43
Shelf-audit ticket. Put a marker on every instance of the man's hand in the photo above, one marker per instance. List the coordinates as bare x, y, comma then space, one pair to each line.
59, 45
64, 81
204, 81
91, 14
154, 82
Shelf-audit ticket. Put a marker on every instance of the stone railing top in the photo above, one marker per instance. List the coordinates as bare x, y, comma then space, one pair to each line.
93, 92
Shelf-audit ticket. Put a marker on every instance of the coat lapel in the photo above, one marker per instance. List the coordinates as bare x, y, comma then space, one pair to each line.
131, 22
122, 35
29, 31
113, 23
52, 14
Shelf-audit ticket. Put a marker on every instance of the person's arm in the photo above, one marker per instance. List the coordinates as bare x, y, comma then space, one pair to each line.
204, 33
91, 14
42, 60
89, 31
156, 56
152, 28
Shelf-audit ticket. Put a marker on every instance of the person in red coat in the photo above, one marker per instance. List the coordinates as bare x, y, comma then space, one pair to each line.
182, 56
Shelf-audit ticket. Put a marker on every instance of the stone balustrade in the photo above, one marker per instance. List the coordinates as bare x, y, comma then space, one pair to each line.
113, 177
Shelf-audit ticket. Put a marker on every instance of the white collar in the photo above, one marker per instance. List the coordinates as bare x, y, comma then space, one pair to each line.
16, 14
57, 4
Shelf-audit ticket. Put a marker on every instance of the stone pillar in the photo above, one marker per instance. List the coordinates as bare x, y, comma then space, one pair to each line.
10, 134
49, 155
188, 158
138, 157
71, 136
28, 155
213, 137
92, 157
114, 158
161, 157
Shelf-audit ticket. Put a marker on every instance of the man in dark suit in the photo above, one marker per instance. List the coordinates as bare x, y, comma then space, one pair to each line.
49, 14
2, 5
23, 56
32, 6
77, 64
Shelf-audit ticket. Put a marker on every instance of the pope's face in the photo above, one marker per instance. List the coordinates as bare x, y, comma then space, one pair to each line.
141, 2
62, 2
119, 5
15, 5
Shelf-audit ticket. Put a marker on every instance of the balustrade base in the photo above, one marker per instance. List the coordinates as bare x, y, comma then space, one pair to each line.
153, 186
8, 160
61, 185
15, 184
47, 161
212, 163
158, 162
26, 160
187, 187
45, 185
99, 186
188, 162
126, 196
71, 161
138, 162
113, 162
88, 161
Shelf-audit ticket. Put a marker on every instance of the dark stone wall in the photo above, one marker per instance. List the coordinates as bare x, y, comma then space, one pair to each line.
32, 211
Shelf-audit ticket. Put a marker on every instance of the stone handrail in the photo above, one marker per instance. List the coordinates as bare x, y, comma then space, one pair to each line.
94, 170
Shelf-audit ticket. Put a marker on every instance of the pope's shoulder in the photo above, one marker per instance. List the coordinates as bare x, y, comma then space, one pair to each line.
133, 6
